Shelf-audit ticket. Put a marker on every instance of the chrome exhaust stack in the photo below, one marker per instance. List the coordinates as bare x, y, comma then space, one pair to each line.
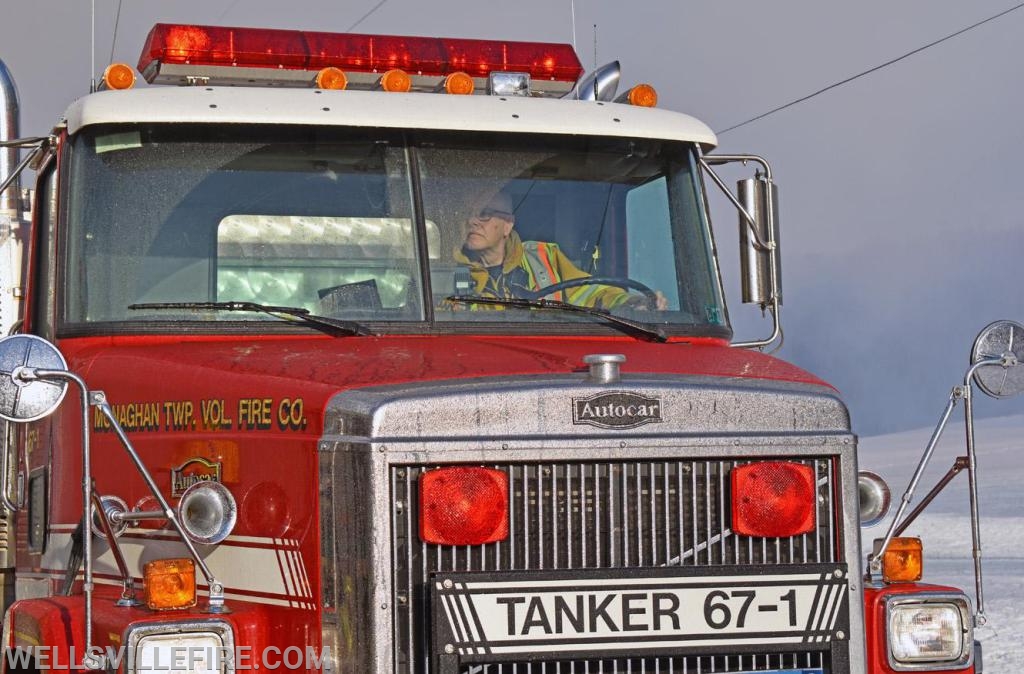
10, 308
10, 198
12, 225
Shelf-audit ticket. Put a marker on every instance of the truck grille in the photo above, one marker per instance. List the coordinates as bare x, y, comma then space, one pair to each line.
602, 515
697, 664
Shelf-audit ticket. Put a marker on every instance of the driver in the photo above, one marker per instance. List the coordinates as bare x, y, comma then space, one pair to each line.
502, 265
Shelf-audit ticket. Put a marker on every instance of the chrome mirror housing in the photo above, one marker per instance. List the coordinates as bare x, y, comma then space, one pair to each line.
1000, 341
759, 264
24, 395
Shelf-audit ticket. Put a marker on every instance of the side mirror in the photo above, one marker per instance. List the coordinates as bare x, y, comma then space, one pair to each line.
760, 200
1002, 341
756, 201
24, 396
996, 360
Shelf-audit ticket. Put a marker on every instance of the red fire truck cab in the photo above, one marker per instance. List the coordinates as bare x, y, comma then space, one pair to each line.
325, 365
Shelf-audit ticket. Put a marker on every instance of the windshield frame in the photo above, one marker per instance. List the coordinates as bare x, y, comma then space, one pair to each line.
413, 142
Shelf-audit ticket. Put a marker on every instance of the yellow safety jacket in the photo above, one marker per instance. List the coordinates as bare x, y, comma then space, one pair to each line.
544, 264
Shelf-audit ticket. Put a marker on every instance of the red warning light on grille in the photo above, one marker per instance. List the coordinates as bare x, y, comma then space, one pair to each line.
773, 499
463, 505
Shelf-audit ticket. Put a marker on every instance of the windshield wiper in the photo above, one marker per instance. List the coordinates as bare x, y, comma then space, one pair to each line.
635, 328
335, 326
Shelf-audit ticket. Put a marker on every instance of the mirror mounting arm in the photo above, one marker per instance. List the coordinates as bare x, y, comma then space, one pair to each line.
972, 479
17, 502
39, 146
127, 582
899, 524
706, 163
959, 463
765, 244
27, 374
875, 560
215, 600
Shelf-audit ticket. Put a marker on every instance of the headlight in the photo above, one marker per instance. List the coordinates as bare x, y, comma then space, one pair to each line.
929, 631
181, 648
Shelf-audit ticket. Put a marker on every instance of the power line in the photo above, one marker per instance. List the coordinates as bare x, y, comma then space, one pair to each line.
227, 9
870, 70
364, 17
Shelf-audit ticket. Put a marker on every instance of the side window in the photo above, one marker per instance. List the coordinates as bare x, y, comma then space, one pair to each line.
43, 310
649, 226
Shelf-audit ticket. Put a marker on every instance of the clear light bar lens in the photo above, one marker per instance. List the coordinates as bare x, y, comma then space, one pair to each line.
931, 632
509, 84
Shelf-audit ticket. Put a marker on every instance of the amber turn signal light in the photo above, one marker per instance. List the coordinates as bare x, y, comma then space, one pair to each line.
395, 80
119, 76
331, 78
643, 95
903, 560
169, 584
459, 83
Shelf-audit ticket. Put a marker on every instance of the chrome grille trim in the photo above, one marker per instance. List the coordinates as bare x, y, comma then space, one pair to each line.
695, 664
658, 513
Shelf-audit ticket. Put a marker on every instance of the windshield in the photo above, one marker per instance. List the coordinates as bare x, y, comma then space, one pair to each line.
396, 230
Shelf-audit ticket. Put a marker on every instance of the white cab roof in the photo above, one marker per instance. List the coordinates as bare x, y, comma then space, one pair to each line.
242, 105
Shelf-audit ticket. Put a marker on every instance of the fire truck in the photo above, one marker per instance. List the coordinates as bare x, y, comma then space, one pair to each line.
367, 353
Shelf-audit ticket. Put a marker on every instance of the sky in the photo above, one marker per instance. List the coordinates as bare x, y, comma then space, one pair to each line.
900, 216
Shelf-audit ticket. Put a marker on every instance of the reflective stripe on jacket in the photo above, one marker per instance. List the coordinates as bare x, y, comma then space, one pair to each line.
544, 264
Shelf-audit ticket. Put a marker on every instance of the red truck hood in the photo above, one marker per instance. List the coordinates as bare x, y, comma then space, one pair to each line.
342, 363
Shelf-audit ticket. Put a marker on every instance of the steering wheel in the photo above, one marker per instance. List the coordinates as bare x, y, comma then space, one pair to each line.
624, 283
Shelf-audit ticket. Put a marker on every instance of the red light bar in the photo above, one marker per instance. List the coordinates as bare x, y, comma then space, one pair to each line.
351, 52
216, 45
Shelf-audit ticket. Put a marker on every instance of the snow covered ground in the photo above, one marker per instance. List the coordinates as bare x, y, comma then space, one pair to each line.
945, 527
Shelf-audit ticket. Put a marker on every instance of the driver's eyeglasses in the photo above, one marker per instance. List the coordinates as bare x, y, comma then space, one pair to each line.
485, 214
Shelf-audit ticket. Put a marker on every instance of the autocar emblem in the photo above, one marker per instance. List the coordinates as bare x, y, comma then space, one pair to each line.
617, 409
196, 469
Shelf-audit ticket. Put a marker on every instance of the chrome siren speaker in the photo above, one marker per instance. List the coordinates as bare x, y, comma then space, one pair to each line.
207, 512
601, 84
114, 508
874, 498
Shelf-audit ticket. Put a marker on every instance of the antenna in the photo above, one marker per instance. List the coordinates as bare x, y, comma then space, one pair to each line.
572, 7
92, 49
595, 46
113, 40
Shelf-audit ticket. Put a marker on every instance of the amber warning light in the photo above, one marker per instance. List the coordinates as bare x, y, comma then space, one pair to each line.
903, 560
169, 584
178, 45
118, 76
